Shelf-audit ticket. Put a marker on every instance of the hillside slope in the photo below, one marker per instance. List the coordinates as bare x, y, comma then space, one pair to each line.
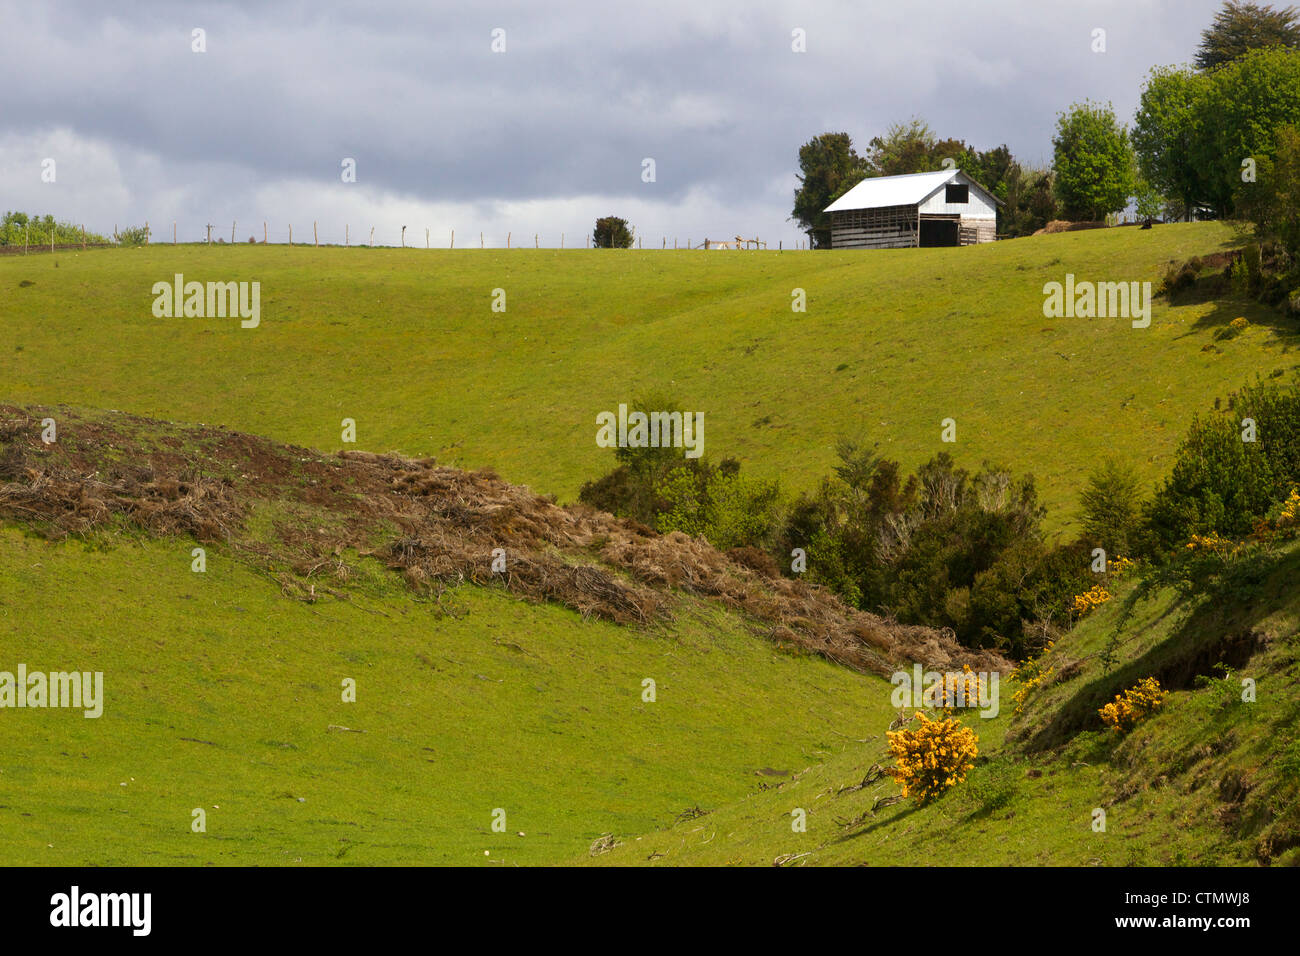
224, 687
406, 343
1210, 779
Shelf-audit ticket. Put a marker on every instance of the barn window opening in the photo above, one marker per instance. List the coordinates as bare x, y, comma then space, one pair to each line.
956, 193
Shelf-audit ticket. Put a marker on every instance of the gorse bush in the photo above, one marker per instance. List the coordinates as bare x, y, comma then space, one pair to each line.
1223, 484
1124, 712
728, 509
933, 757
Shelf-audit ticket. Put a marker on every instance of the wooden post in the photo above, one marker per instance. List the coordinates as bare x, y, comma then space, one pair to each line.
453, 239
480, 240
346, 237
314, 237
665, 242
638, 242
535, 240
372, 237
403, 237
561, 240
83, 237
778, 244
426, 237
263, 232
589, 242
83, 229
674, 243
232, 232
507, 240
146, 232
27, 228
290, 233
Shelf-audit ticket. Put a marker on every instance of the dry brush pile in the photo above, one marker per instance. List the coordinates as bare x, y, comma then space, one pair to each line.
435, 526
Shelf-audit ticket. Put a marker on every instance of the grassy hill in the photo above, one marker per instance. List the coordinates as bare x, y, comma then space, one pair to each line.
406, 343
524, 691
1208, 780
223, 690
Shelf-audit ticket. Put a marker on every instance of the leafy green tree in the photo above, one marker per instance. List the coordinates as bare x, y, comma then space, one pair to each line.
1112, 508
1030, 201
1245, 103
1093, 162
1272, 202
1164, 134
1147, 200
1241, 27
912, 147
829, 167
611, 232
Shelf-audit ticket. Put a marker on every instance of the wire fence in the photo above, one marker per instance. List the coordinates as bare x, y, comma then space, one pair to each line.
367, 240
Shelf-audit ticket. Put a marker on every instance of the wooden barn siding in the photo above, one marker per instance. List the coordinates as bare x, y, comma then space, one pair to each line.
979, 207
972, 231
890, 227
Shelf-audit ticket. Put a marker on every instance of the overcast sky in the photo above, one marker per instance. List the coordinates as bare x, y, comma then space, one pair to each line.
541, 138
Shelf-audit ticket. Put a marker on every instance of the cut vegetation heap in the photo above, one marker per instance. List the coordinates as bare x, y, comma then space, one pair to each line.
436, 526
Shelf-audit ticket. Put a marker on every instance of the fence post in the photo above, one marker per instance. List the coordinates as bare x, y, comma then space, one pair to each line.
146, 232
453, 239
346, 237
535, 241
83, 229
665, 242
291, 234
27, 232
83, 237
314, 238
480, 240
263, 232
372, 237
403, 237
232, 232
426, 237
507, 240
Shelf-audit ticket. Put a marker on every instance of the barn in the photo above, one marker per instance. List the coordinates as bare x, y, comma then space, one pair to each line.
945, 208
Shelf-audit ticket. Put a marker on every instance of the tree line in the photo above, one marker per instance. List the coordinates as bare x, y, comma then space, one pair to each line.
1202, 135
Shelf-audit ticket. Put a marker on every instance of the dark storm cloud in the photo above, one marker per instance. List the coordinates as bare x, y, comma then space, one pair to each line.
584, 91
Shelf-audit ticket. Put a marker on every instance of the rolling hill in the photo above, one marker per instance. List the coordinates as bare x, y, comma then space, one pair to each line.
405, 343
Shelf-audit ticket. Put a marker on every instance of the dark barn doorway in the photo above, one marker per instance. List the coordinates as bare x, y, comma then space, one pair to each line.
939, 232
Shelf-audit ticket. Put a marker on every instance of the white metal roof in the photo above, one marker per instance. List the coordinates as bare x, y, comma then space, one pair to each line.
907, 190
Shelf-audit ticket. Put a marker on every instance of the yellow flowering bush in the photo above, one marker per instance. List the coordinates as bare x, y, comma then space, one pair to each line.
1028, 675
1213, 544
962, 689
1123, 713
1093, 598
933, 757
1119, 567
1290, 516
